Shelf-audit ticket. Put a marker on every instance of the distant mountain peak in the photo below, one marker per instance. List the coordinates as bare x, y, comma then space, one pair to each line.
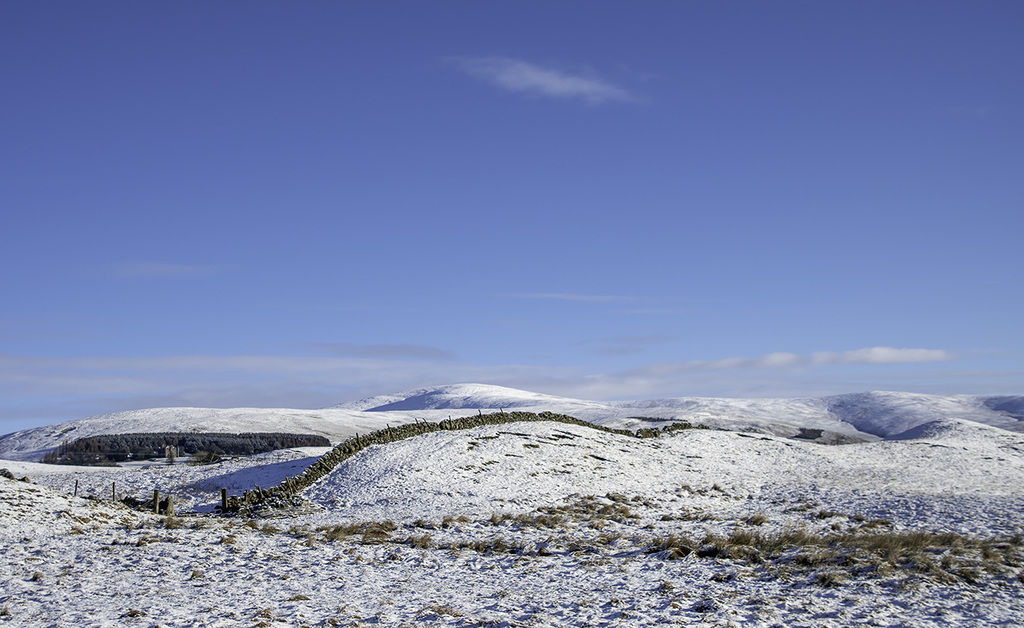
860, 416
466, 396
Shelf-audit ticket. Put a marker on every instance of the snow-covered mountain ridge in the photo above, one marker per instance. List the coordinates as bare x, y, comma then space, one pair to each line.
543, 523
840, 418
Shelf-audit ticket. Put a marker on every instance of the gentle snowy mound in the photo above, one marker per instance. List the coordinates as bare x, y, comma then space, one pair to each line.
334, 424
950, 429
830, 420
520, 467
539, 524
463, 397
888, 413
1011, 407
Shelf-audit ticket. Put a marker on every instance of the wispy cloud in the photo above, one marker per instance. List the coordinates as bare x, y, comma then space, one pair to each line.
520, 76
564, 296
162, 270
384, 351
769, 375
979, 111
625, 345
62, 388
882, 355
871, 355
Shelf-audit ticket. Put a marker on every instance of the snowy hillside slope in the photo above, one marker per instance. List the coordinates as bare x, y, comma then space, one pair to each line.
842, 418
541, 524
888, 413
335, 425
520, 467
467, 397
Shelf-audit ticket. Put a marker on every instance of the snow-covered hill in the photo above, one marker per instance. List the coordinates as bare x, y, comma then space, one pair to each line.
465, 397
542, 524
842, 418
888, 413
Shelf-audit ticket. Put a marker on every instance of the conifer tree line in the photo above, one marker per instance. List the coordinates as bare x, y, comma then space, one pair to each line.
109, 449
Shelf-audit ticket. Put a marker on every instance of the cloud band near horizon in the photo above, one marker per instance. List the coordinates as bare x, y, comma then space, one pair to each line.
374, 366
868, 356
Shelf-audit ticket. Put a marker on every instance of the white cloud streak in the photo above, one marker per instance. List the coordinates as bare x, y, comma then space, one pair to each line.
624, 345
979, 111
769, 375
56, 389
562, 296
520, 76
413, 352
162, 270
869, 356
882, 355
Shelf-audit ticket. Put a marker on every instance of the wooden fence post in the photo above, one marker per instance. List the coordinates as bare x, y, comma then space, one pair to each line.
76, 488
223, 500
156, 501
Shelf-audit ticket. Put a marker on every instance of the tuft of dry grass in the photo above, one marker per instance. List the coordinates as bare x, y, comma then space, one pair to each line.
372, 531
830, 578
895, 546
834, 558
673, 547
448, 521
375, 536
441, 609
421, 542
495, 545
539, 520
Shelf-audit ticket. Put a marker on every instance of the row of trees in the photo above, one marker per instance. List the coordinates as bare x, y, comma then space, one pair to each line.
109, 449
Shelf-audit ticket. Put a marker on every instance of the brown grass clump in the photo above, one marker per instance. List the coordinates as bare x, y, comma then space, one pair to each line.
495, 545
372, 532
441, 609
421, 542
830, 578
448, 521
539, 520
673, 547
835, 558
896, 543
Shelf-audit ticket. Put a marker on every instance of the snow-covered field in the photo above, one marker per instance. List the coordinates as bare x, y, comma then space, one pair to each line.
549, 524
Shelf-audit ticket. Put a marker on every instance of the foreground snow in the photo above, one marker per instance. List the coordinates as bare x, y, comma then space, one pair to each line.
540, 524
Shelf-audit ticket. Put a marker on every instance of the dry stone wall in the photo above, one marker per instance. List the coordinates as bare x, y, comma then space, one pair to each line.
259, 498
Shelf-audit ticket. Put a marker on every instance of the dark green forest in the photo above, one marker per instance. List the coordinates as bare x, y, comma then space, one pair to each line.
110, 449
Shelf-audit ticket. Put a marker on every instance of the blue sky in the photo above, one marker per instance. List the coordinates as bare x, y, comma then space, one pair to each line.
299, 204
